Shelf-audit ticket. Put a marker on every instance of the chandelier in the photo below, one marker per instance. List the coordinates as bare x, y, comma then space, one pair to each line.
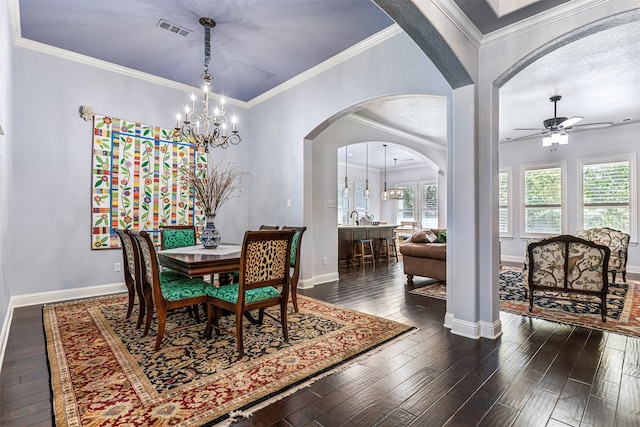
207, 129
396, 193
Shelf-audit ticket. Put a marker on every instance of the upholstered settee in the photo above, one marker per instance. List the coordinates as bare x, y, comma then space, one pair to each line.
616, 241
566, 267
425, 254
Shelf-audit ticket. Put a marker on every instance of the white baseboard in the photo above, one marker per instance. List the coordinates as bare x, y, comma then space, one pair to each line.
51, 297
473, 330
316, 280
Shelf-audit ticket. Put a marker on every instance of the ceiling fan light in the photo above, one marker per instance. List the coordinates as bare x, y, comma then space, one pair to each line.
563, 138
546, 141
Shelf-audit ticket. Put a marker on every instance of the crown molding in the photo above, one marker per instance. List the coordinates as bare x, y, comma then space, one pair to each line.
542, 19
469, 30
388, 129
346, 54
460, 20
108, 66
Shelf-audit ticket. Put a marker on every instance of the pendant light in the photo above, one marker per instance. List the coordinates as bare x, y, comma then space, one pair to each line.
396, 193
366, 187
385, 193
345, 190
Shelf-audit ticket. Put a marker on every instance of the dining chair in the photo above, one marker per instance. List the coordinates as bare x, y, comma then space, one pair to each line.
295, 263
268, 227
264, 267
164, 295
177, 236
180, 236
129, 270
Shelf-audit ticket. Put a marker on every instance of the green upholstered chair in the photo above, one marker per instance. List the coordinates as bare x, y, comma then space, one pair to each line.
295, 263
180, 236
165, 294
263, 282
177, 236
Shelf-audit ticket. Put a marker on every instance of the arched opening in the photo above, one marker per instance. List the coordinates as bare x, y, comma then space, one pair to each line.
416, 124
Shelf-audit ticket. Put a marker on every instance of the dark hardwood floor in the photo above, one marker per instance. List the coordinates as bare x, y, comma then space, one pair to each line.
537, 374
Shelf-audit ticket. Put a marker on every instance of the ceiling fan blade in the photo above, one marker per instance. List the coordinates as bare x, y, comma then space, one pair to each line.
570, 122
526, 136
538, 129
591, 125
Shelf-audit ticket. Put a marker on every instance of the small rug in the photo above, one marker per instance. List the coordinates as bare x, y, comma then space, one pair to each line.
103, 372
623, 304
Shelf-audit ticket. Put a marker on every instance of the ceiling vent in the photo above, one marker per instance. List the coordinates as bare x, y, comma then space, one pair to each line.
166, 25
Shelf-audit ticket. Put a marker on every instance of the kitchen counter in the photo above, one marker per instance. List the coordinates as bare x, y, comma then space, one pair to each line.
348, 233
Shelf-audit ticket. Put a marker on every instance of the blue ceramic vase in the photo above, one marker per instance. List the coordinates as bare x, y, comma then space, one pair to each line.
210, 236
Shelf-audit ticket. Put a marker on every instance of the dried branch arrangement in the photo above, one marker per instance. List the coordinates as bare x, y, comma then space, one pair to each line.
213, 186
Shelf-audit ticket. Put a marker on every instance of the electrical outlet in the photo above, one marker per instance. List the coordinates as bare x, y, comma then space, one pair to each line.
324, 260
116, 266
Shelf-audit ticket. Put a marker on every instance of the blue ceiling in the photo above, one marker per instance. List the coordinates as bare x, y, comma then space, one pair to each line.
255, 46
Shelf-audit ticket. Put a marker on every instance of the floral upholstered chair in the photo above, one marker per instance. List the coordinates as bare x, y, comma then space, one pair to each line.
264, 282
564, 267
617, 242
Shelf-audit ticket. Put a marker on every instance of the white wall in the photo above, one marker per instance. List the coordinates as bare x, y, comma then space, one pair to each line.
50, 210
618, 140
6, 96
281, 124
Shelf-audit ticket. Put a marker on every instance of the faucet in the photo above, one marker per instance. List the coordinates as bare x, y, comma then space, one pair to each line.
351, 216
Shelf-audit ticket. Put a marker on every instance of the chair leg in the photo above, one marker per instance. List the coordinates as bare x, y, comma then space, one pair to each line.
239, 334
260, 316
294, 296
162, 320
624, 277
131, 301
149, 314
141, 312
613, 276
283, 320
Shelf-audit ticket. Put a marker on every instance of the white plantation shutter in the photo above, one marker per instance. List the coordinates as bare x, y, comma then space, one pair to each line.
430, 206
543, 200
503, 203
361, 204
606, 195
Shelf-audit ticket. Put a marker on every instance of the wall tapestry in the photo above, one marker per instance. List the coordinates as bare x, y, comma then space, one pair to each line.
136, 180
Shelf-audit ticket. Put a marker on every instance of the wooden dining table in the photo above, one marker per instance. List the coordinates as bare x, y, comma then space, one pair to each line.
195, 261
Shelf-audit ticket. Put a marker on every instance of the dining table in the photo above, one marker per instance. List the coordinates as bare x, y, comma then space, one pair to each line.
196, 261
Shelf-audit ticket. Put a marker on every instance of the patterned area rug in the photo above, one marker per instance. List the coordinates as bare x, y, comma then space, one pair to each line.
103, 372
623, 304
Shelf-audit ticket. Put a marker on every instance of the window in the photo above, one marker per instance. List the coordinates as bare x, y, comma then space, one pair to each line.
606, 189
344, 204
360, 202
406, 205
543, 194
429, 205
504, 203
354, 201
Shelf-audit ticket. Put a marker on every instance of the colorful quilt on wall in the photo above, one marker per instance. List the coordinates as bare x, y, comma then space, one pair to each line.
136, 180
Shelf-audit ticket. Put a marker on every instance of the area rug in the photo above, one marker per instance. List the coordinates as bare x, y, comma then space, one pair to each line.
623, 304
103, 372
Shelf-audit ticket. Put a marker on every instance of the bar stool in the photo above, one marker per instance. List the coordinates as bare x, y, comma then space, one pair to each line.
387, 249
363, 251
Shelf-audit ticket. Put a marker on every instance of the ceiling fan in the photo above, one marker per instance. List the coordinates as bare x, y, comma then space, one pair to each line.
555, 128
